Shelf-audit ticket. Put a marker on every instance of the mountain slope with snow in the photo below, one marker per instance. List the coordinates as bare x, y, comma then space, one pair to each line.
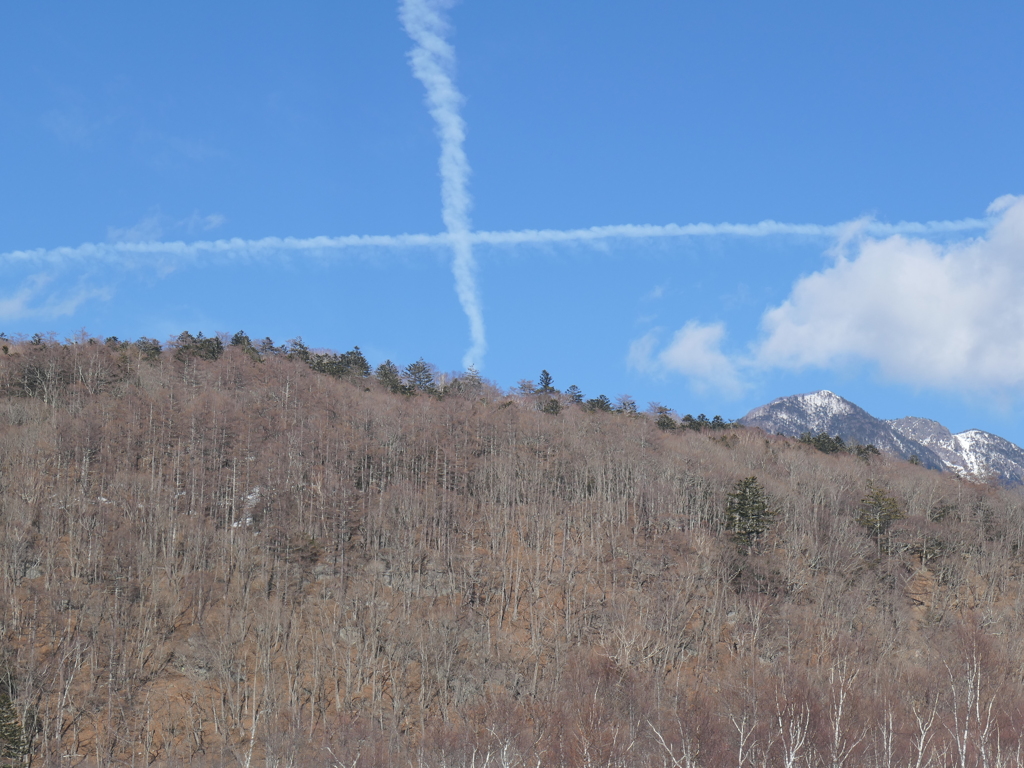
827, 412
972, 453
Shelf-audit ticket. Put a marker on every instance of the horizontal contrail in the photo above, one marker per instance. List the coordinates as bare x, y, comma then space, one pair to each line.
237, 247
761, 229
115, 252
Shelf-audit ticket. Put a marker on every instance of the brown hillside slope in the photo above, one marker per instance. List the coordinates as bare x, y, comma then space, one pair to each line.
239, 562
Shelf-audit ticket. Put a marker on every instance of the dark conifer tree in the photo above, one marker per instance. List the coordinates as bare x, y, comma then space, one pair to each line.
575, 394
12, 734
419, 377
297, 349
550, 405
878, 511
471, 381
389, 377
149, 348
356, 362
747, 514
665, 421
266, 347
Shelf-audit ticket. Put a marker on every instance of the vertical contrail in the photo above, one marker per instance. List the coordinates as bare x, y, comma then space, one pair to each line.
433, 64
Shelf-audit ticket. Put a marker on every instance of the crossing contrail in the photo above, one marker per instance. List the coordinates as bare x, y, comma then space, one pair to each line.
432, 59
433, 64
136, 253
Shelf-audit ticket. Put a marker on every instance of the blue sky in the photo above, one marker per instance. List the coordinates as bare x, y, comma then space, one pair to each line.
136, 126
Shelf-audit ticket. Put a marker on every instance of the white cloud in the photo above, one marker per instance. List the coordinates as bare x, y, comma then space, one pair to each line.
695, 351
947, 316
927, 313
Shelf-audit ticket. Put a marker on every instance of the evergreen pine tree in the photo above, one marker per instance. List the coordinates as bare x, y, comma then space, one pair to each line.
189, 347
544, 384
387, 374
356, 362
148, 348
866, 451
665, 421
266, 347
471, 382
663, 416
419, 377
878, 511
242, 341
575, 394
210, 348
183, 346
747, 513
12, 734
297, 349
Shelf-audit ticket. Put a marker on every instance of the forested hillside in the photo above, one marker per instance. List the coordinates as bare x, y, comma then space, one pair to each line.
220, 555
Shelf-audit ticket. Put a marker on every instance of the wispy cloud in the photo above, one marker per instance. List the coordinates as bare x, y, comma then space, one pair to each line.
149, 229
433, 64
32, 299
155, 226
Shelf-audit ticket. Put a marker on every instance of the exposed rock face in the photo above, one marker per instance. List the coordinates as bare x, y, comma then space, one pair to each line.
972, 453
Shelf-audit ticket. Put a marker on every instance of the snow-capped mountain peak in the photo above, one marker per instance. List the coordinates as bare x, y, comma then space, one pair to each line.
814, 410
972, 453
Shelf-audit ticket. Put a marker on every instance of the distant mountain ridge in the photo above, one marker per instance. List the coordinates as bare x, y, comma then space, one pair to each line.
972, 453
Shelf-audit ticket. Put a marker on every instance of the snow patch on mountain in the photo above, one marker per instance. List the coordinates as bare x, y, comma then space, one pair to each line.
973, 449
972, 453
